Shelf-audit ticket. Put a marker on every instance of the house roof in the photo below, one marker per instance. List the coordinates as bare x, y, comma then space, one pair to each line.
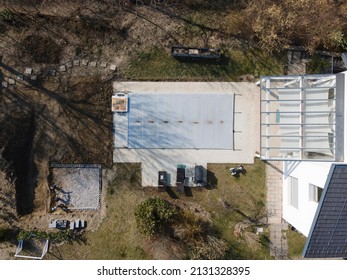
328, 234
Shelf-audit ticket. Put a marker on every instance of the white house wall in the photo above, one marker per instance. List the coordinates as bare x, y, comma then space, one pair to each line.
307, 173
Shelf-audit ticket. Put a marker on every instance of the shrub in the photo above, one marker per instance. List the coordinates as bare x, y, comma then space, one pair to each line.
277, 24
154, 215
59, 236
318, 65
189, 227
209, 248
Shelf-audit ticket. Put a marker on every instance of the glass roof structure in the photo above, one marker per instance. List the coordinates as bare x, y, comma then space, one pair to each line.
298, 116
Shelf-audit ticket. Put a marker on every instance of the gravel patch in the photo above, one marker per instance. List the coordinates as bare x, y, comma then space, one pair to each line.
77, 186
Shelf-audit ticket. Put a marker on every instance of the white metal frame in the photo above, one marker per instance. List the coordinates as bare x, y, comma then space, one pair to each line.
20, 247
323, 143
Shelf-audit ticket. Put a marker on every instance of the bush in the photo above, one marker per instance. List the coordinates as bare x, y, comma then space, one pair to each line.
318, 65
59, 236
209, 248
314, 24
154, 215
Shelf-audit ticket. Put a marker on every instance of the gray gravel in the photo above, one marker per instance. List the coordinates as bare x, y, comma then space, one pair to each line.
78, 187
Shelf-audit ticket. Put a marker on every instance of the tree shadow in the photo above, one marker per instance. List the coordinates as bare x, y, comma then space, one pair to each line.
188, 191
203, 61
171, 14
19, 150
56, 255
212, 180
171, 193
89, 118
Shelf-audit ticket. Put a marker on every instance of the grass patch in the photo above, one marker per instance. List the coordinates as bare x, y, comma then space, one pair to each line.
218, 222
296, 243
117, 236
157, 64
237, 205
128, 176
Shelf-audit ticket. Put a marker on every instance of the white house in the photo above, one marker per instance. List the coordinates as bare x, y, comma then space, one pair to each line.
303, 120
303, 184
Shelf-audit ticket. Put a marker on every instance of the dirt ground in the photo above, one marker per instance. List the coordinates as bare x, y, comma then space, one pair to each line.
69, 121
64, 117
61, 118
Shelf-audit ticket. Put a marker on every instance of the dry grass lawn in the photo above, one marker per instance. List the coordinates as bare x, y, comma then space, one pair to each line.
232, 207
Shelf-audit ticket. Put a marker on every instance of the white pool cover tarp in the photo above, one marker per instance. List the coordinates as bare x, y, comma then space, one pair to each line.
174, 121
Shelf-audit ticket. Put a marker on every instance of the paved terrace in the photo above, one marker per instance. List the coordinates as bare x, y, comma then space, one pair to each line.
246, 129
274, 197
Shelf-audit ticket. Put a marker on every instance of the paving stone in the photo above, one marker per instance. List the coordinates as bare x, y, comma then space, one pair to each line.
103, 64
279, 245
76, 63
4, 84
85, 62
28, 71
92, 63
20, 77
52, 72
274, 220
11, 81
113, 67
33, 78
68, 65
62, 68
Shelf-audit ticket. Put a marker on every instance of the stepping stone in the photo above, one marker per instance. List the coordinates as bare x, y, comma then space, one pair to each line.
11, 81
20, 77
85, 62
62, 68
103, 64
52, 72
113, 67
92, 63
28, 71
4, 84
259, 230
33, 78
68, 65
76, 63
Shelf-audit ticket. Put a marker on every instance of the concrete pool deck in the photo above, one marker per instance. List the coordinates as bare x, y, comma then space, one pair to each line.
246, 129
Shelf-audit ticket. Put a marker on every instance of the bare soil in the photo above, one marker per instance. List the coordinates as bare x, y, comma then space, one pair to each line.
65, 118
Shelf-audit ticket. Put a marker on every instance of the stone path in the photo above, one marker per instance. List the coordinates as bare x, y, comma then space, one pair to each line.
277, 227
30, 74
